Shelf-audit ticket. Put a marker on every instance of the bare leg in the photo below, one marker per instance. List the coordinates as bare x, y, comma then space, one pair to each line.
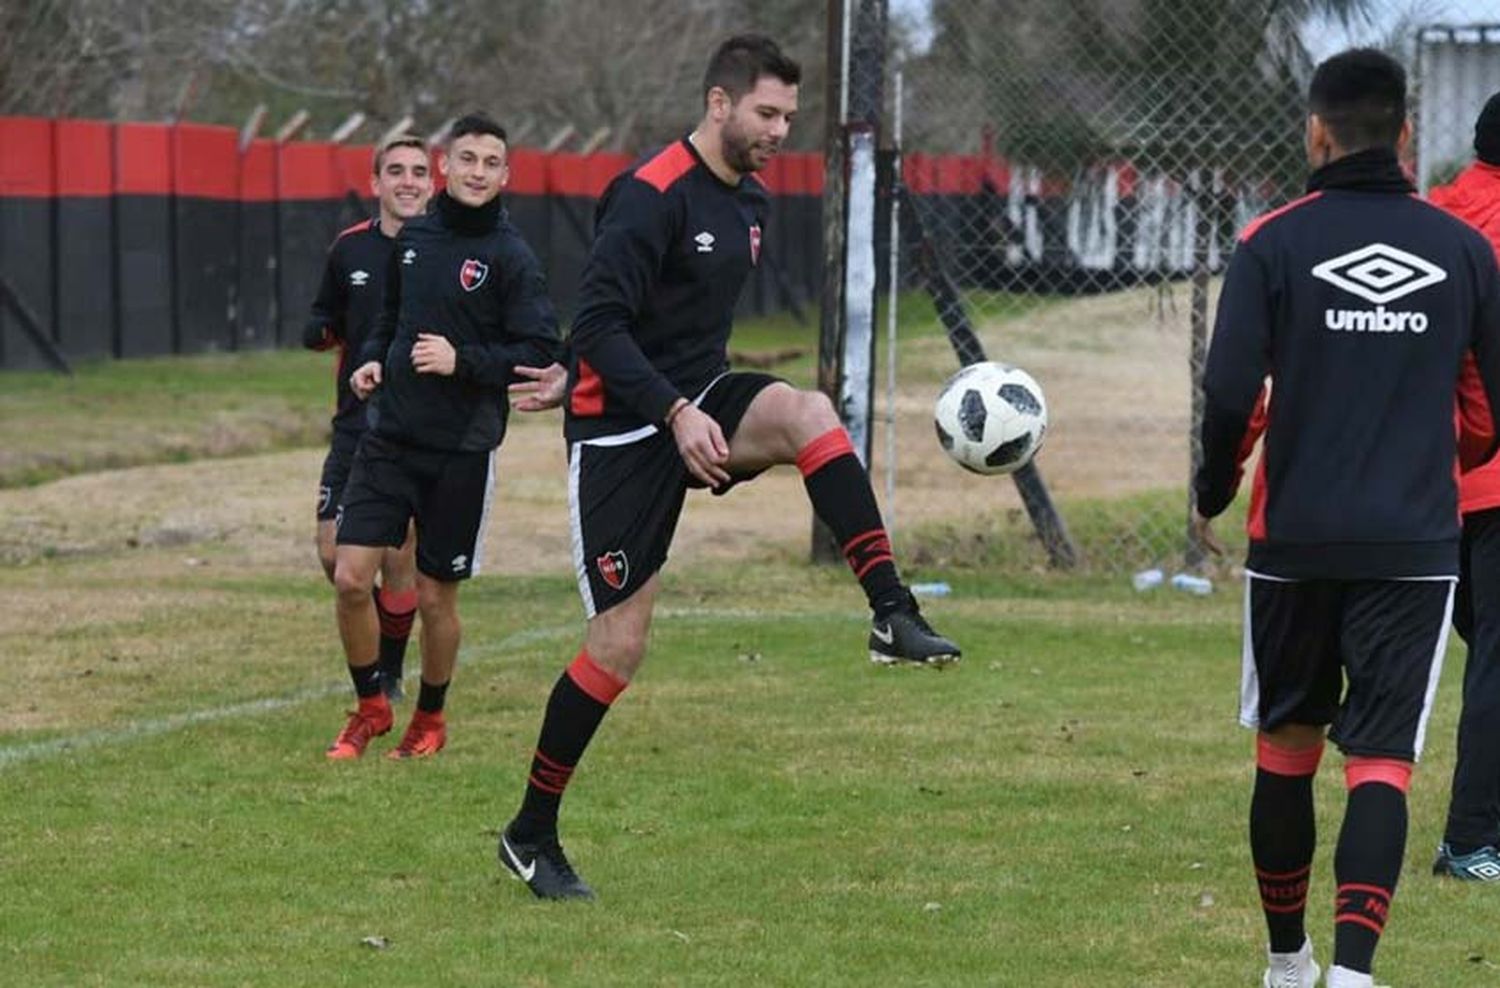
359, 627
437, 601
327, 549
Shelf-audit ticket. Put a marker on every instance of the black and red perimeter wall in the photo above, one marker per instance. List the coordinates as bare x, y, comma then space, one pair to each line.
140, 239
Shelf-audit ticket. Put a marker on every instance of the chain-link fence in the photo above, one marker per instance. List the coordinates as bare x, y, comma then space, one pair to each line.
1078, 171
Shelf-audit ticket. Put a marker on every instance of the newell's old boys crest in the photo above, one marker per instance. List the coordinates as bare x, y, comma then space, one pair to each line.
613, 568
472, 274
755, 244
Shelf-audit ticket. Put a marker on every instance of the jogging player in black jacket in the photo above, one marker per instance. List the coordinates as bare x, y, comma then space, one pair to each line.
466, 304
653, 410
1358, 302
343, 315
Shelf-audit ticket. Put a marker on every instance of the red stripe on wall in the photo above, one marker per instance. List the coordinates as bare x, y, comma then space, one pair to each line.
82, 152
143, 159
794, 173
997, 174
774, 175
26, 164
528, 172
206, 161
258, 172
812, 173
355, 167
957, 175
917, 173
307, 170
565, 175
584, 175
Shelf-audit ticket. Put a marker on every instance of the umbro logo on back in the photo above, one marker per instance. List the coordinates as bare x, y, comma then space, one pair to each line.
1379, 273
359, 278
705, 242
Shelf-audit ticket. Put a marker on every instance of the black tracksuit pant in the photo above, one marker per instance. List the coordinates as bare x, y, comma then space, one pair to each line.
1474, 812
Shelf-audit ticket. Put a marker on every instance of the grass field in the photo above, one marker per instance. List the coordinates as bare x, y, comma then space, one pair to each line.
1065, 808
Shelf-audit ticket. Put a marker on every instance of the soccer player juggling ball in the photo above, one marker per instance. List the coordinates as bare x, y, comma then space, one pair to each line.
653, 410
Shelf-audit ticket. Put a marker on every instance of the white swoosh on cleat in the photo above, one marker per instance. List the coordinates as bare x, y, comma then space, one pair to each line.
887, 636
525, 871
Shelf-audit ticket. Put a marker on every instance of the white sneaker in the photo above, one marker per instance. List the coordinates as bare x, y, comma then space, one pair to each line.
1342, 977
1295, 970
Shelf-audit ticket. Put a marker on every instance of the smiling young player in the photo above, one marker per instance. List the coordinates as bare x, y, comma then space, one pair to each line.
343, 315
466, 305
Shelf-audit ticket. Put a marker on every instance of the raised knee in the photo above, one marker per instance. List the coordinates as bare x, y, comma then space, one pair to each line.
817, 412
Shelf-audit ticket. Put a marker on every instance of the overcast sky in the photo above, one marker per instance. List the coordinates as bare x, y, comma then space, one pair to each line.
1324, 39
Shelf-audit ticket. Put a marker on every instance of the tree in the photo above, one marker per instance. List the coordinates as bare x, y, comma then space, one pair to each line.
632, 66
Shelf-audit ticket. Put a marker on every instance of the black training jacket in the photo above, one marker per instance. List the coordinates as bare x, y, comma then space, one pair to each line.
348, 304
1358, 302
467, 275
673, 246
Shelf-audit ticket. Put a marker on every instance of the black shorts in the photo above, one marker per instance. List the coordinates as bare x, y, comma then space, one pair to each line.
1305, 638
625, 493
336, 472
448, 494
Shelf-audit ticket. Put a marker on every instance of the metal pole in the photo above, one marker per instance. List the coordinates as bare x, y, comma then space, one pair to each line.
847, 19
893, 293
862, 134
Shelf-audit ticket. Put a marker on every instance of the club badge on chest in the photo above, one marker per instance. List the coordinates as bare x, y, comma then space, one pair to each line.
472, 274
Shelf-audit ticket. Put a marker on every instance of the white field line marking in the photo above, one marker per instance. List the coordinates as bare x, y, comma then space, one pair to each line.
137, 730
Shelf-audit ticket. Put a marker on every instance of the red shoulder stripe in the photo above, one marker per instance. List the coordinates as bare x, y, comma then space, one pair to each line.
670, 164
356, 228
1253, 227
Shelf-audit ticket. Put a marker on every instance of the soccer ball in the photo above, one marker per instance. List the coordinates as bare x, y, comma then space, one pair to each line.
991, 418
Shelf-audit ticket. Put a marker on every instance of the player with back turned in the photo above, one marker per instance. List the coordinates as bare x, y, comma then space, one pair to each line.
653, 410
349, 301
1359, 302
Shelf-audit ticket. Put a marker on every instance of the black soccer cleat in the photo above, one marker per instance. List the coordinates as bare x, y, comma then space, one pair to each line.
543, 867
904, 636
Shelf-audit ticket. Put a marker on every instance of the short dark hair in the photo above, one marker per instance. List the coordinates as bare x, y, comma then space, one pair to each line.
1360, 95
475, 123
1487, 132
399, 141
740, 62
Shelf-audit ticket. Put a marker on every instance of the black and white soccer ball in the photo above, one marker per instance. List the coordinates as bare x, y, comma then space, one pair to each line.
991, 417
